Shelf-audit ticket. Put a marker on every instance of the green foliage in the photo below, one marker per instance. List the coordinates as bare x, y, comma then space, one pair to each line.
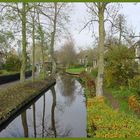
5, 72
94, 73
5, 40
12, 63
104, 122
135, 83
88, 82
120, 66
122, 94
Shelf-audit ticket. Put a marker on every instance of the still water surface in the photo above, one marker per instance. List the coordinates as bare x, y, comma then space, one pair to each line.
60, 112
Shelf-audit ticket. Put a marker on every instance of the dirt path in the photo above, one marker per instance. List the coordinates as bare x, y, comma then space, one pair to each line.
3, 86
113, 101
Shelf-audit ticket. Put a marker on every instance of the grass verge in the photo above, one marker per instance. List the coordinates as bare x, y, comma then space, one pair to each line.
105, 122
122, 95
5, 72
75, 70
12, 98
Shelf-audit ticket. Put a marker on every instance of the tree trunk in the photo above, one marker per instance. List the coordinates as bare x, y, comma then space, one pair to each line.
24, 54
53, 39
33, 49
43, 62
42, 47
99, 87
120, 33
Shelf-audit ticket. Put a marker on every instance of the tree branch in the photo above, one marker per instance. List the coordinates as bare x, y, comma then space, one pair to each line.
89, 22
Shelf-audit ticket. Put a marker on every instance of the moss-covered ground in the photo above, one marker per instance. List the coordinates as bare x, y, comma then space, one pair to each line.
15, 96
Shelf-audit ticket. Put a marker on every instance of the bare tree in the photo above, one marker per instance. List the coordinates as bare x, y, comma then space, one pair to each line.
53, 36
119, 31
33, 43
17, 14
100, 12
57, 16
41, 33
67, 54
121, 25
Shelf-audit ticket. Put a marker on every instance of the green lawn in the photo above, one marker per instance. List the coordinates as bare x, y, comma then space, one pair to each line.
75, 70
5, 72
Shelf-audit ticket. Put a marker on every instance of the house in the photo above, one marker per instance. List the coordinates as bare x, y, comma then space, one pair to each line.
137, 51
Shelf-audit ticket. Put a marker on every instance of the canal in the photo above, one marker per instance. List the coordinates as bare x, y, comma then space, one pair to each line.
59, 112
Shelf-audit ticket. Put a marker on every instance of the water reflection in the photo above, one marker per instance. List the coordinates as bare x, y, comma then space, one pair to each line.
43, 118
67, 87
60, 112
34, 119
25, 124
53, 111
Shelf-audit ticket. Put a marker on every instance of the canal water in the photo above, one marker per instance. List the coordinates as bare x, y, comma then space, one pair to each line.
59, 112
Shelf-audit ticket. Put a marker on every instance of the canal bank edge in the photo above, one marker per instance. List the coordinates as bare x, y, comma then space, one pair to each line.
45, 85
105, 122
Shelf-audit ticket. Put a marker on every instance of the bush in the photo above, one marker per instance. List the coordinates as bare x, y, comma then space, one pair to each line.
119, 66
135, 83
89, 83
134, 103
12, 63
94, 73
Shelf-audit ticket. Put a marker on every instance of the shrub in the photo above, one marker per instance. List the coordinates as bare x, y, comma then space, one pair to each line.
94, 73
89, 83
134, 103
12, 63
119, 66
135, 83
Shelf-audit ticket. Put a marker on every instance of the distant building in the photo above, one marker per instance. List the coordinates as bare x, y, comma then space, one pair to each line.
94, 62
136, 46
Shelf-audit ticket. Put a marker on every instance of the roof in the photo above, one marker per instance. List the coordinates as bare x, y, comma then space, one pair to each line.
137, 43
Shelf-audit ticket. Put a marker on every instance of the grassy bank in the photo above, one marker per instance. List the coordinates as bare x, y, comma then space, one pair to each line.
12, 98
105, 122
75, 70
5, 72
124, 95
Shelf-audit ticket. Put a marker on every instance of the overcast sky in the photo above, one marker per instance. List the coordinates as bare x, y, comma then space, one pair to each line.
84, 39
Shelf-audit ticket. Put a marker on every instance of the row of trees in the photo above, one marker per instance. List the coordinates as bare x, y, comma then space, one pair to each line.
69, 57
119, 33
42, 23
39, 23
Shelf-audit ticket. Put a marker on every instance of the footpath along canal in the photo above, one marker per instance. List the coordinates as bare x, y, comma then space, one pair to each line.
59, 112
